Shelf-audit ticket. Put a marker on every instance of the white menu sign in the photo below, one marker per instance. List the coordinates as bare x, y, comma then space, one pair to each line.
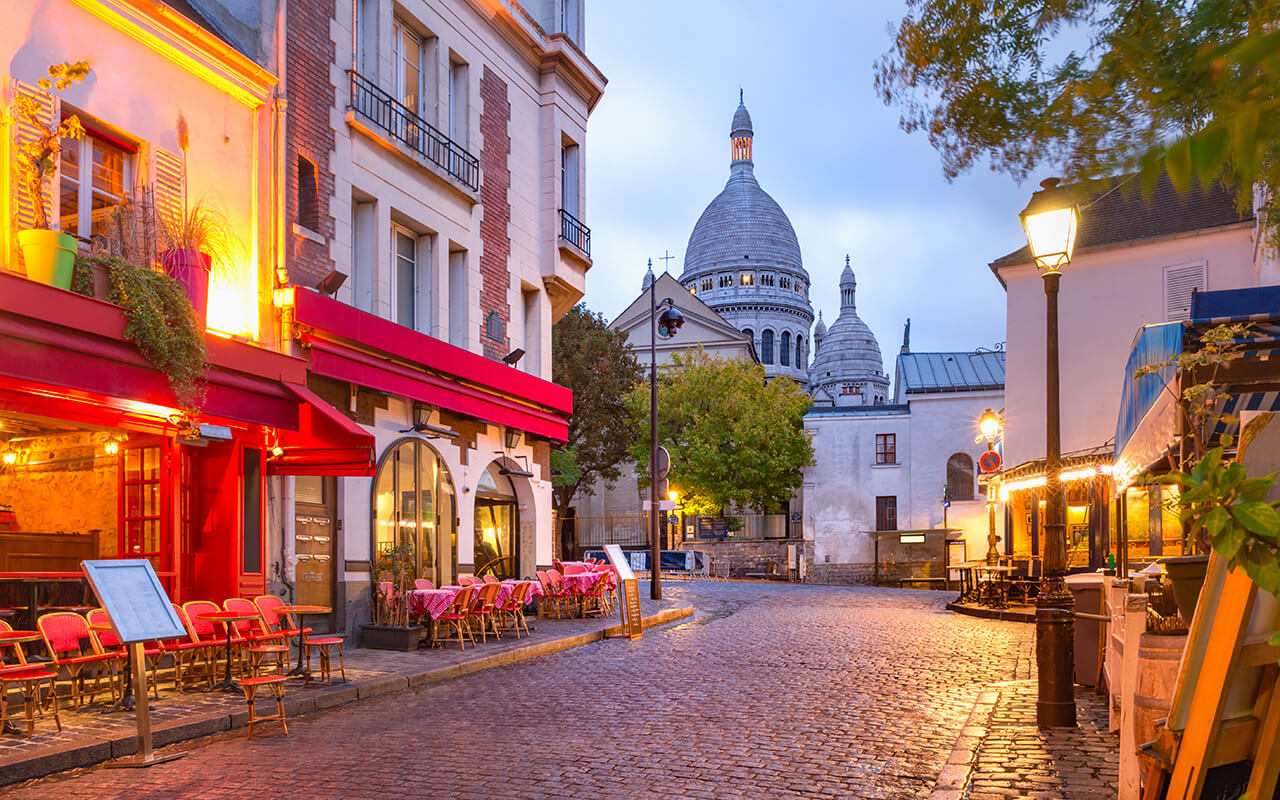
137, 603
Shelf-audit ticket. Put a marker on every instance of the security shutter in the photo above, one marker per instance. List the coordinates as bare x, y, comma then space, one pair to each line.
166, 182
22, 203
1179, 284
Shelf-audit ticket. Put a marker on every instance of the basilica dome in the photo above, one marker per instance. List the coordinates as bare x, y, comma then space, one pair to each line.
847, 367
743, 260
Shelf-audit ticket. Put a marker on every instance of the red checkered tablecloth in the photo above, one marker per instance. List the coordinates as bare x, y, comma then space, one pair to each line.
434, 602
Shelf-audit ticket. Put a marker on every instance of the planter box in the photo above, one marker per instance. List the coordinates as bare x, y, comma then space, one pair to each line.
391, 637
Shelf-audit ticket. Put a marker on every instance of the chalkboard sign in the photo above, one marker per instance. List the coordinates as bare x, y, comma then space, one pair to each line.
632, 621
137, 603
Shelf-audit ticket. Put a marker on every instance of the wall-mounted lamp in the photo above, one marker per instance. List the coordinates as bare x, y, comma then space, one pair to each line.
331, 283
511, 438
421, 415
111, 448
511, 358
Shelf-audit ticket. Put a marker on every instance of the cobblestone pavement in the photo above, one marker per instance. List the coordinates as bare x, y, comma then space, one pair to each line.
769, 691
1016, 759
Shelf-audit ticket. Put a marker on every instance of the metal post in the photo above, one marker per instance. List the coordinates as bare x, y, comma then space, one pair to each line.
655, 554
1055, 627
993, 555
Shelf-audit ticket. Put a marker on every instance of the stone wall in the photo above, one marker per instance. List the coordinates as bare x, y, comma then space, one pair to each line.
746, 556
68, 485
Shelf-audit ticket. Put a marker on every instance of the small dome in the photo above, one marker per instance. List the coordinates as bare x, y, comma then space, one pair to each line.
848, 365
821, 328
741, 120
648, 278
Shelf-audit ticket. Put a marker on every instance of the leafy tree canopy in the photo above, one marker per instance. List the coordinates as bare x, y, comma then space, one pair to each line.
734, 439
1093, 88
598, 365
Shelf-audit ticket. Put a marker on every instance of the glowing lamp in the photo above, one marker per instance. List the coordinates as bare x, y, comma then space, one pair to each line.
673, 495
11, 457
111, 448
1050, 221
991, 426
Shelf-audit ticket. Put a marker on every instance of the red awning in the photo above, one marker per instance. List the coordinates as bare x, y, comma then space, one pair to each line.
327, 442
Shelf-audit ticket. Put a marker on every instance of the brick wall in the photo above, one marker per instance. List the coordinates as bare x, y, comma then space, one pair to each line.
309, 53
495, 180
751, 555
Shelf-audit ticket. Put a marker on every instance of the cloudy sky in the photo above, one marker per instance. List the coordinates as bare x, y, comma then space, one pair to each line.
825, 148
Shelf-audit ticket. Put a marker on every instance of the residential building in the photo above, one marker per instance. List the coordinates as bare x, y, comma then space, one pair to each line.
435, 165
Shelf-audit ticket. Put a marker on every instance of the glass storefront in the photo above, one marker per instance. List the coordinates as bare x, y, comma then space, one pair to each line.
497, 525
414, 504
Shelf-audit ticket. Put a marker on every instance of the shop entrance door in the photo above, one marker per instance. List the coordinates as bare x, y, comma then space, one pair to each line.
315, 543
145, 529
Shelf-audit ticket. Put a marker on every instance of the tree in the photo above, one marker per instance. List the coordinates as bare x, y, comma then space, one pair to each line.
734, 439
598, 365
1187, 86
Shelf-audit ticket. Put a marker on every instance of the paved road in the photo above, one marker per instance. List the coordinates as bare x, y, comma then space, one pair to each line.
769, 691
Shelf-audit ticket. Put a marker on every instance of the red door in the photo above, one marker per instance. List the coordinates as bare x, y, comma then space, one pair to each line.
145, 527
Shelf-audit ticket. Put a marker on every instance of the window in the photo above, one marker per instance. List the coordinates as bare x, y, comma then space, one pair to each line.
802, 358
750, 334
726, 281
308, 196
364, 256
93, 174
458, 101
706, 284
1180, 283
886, 451
886, 513
747, 279
414, 505
251, 514
408, 51
766, 346
569, 165
784, 349
960, 477
459, 294
405, 276
767, 279
799, 287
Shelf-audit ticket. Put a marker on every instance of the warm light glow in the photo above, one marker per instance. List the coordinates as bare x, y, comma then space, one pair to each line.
233, 301
1077, 515
111, 448
991, 426
673, 495
284, 297
1052, 236
10, 457
1066, 476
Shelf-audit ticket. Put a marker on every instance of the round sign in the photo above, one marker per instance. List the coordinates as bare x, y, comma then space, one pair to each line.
989, 461
664, 463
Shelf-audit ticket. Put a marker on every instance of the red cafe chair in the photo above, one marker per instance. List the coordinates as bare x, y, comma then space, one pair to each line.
491, 579
29, 677
65, 635
185, 652
512, 612
482, 608
422, 584
457, 617
261, 642
110, 643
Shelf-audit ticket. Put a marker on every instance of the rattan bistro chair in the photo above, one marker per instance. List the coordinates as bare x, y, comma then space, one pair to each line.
456, 616
72, 646
512, 612
482, 610
30, 678
110, 643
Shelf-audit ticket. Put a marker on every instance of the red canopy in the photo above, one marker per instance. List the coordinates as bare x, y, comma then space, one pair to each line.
326, 442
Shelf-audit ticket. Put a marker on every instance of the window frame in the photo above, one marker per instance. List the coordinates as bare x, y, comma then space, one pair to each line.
886, 512
953, 481
85, 190
401, 30
886, 448
398, 231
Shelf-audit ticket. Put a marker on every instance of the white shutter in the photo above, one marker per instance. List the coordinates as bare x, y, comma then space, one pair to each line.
1180, 283
167, 182
23, 209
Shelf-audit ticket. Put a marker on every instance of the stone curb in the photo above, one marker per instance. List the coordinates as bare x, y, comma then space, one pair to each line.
992, 613
954, 778
93, 750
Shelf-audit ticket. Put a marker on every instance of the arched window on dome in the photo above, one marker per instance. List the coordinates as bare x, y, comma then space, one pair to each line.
706, 284
802, 357
766, 347
960, 477
750, 334
784, 349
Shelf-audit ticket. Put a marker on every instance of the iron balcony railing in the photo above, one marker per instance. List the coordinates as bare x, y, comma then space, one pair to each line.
574, 232
413, 131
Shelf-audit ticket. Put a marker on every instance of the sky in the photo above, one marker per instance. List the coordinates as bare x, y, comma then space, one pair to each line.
826, 148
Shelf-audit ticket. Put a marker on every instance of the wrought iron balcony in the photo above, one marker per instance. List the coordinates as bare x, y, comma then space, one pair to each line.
413, 131
574, 232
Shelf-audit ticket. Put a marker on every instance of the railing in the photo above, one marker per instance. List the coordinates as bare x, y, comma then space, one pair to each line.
623, 529
413, 131
574, 232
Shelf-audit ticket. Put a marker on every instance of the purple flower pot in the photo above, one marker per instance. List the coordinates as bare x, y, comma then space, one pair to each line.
191, 269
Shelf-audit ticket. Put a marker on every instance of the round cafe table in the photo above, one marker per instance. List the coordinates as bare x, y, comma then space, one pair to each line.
226, 618
301, 610
126, 697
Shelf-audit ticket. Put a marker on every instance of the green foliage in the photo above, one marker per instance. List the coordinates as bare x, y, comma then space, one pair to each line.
162, 323
394, 569
1229, 510
36, 161
202, 228
82, 276
734, 439
1095, 87
599, 366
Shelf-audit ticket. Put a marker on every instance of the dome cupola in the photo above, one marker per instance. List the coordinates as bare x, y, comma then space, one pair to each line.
740, 133
848, 366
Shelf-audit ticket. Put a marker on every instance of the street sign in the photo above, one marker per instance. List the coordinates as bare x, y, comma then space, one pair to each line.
663, 505
632, 620
989, 461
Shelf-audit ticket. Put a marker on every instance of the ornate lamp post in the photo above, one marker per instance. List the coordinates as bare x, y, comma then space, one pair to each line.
1050, 221
665, 326
992, 428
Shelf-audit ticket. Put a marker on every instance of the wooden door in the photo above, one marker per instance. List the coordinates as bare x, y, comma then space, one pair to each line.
145, 528
314, 540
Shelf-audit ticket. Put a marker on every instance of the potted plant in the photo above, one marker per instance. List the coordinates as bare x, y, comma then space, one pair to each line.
391, 629
48, 254
191, 239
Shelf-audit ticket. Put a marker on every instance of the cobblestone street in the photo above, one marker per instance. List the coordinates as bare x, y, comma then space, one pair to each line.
768, 691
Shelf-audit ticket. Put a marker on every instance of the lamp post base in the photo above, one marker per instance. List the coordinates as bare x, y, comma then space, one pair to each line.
1055, 656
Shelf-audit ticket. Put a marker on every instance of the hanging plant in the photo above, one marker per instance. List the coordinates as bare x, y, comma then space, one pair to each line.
162, 324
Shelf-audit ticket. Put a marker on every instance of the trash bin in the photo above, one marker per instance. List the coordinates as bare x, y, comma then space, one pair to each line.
1086, 589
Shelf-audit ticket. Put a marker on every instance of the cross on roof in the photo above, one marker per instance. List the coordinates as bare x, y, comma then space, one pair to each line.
667, 258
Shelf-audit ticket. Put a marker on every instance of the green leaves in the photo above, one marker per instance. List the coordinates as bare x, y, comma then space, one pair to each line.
1257, 518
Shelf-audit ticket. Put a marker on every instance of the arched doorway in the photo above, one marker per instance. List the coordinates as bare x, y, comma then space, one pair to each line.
497, 545
414, 504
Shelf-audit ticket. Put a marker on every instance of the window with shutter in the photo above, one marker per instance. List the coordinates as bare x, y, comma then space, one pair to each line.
22, 206
1180, 283
166, 182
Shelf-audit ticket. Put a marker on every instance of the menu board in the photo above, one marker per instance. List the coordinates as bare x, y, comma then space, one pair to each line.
632, 622
137, 603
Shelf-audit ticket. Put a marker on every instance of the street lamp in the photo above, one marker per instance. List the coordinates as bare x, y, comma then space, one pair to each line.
991, 427
665, 326
1050, 221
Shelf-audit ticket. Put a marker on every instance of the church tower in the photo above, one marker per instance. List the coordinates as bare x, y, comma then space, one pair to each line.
743, 260
847, 368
